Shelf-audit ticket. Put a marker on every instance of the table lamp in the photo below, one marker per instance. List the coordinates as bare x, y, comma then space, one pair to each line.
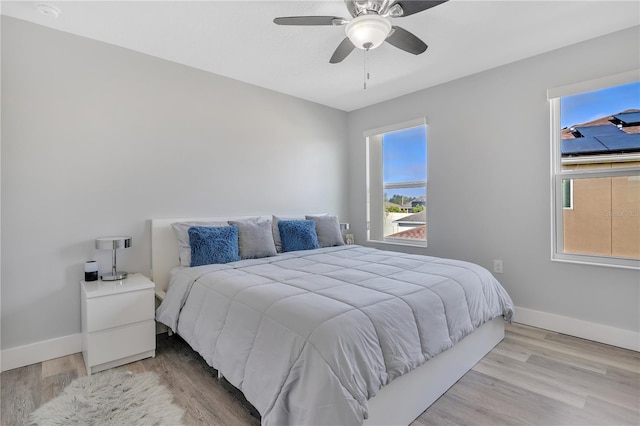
113, 243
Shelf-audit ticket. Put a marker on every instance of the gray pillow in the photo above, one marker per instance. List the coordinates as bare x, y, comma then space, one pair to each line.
276, 231
256, 238
182, 235
328, 230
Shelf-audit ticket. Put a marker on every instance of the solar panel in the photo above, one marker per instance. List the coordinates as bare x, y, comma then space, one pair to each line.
628, 117
623, 142
582, 146
606, 129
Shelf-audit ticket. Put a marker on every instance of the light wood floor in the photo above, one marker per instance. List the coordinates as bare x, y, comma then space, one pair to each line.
533, 377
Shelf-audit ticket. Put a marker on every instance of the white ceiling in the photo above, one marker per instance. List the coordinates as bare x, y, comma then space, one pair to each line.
238, 39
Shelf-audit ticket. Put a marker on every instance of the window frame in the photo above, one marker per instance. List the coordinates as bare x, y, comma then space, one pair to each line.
558, 175
374, 182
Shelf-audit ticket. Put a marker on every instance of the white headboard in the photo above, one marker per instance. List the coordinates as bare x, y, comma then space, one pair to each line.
164, 246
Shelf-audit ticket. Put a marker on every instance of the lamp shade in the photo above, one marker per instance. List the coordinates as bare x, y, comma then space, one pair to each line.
113, 243
367, 32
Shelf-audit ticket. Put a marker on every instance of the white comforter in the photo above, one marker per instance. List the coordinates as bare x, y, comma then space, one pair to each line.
310, 336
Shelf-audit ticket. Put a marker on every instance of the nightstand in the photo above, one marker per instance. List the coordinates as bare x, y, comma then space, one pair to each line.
118, 322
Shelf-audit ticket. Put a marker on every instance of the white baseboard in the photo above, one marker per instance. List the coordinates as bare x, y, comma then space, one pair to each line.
40, 351
622, 338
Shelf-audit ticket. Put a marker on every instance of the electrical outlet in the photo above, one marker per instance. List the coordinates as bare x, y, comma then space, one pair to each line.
497, 266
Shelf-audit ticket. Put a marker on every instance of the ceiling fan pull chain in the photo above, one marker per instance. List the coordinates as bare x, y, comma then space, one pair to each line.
367, 59
366, 65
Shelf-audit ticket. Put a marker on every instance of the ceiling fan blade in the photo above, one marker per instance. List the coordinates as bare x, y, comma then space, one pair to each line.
343, 50
403, 39
309, 20
409, 7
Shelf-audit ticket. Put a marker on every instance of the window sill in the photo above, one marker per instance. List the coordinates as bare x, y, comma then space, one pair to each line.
400, 242
583, 259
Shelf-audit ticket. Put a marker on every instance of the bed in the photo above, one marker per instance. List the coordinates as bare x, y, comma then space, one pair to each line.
230, 314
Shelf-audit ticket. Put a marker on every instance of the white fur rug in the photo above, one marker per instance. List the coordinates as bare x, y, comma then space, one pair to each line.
111, 397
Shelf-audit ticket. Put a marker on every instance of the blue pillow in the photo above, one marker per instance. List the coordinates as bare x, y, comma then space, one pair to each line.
213, 245
298, 235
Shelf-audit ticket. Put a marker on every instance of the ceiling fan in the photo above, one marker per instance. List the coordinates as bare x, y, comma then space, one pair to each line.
370, 26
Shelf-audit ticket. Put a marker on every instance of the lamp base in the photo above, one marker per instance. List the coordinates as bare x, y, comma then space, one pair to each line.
111, 277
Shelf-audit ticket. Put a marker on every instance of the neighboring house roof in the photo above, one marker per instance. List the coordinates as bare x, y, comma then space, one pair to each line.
602, 136
417, 233
420, 217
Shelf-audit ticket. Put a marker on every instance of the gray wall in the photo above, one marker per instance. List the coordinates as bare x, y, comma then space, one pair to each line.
97, 139
489, 177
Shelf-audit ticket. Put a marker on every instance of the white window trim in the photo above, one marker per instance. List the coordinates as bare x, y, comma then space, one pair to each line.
395, 127
369, 134
557, 174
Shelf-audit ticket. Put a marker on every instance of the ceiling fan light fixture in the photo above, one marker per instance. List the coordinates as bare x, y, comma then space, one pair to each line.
367, 32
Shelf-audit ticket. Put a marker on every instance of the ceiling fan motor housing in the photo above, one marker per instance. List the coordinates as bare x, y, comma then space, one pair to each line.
360, 7
368, 31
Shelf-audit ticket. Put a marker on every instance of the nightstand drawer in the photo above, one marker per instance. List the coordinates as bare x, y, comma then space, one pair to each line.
119, 309
121, 342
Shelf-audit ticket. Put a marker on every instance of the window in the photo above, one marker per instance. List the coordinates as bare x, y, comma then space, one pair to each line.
397, 177
596, 171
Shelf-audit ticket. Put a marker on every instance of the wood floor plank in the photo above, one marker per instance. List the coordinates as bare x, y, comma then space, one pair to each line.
463, 405
530, 346
20, 394
525, 330
545, 384
513, 351
533, 377
625, 378
604, 413
57, 366
478, 399
611, 353
52, 385
604, 388
625, 363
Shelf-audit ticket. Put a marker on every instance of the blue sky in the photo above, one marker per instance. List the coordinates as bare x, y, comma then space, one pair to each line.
404, 156
584, 107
